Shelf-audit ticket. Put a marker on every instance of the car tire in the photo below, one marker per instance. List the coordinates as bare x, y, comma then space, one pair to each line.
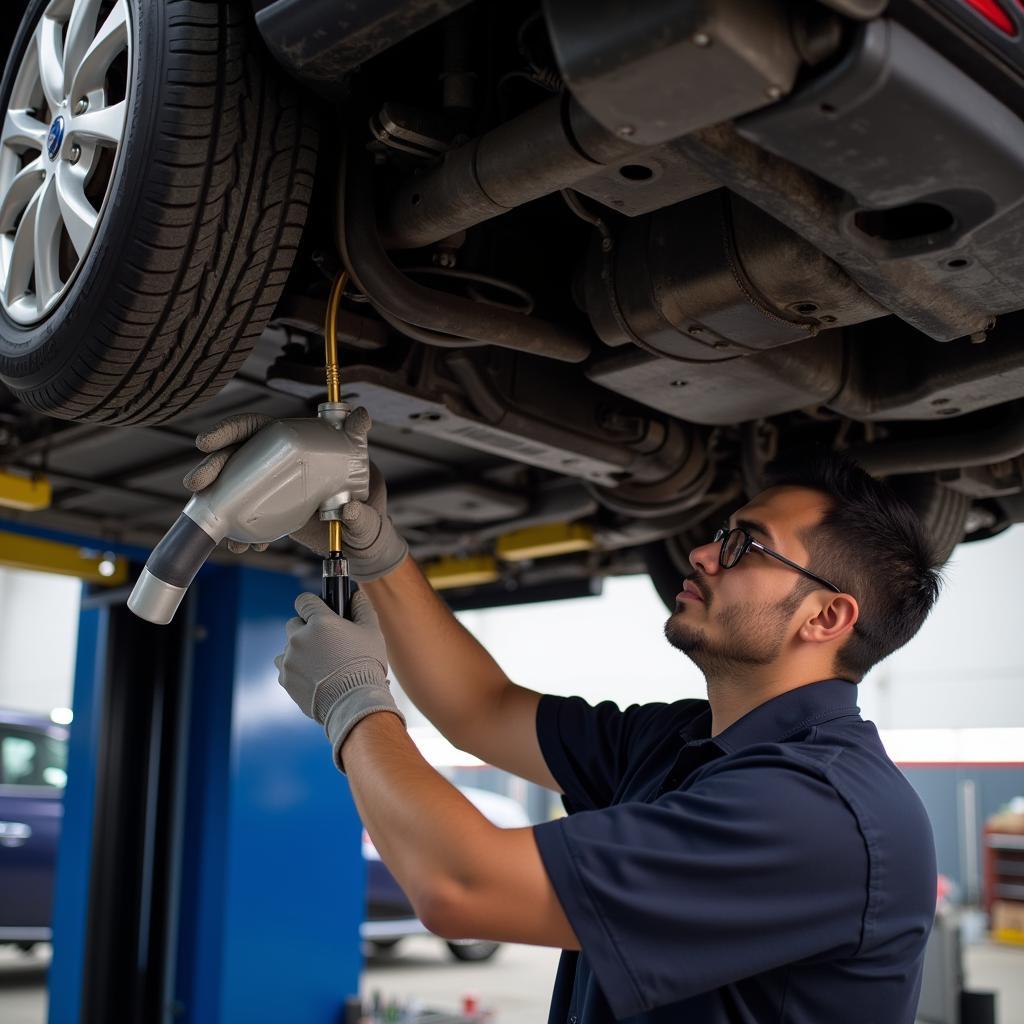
943, 512
473, 952
667, 562
196, 228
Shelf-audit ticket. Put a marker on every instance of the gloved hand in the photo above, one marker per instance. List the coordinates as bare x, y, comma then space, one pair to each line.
231, 433
373, 547
336, 670
221, 440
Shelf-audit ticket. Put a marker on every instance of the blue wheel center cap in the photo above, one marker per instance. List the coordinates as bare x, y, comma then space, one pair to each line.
55, 137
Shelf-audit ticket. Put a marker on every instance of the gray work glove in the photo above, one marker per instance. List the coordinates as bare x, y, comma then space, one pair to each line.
336, 670
373, 547
229, 434
221, 440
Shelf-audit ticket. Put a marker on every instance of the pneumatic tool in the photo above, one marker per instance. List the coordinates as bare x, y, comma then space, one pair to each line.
282, 476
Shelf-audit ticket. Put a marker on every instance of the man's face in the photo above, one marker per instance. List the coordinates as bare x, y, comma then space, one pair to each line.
744, 616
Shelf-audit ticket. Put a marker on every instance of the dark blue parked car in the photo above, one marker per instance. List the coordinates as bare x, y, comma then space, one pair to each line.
33, 772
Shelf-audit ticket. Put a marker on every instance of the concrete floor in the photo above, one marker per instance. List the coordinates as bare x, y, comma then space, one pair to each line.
23, 985
994, 968
516, 984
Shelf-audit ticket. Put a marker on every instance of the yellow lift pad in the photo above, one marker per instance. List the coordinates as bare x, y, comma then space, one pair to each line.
447, 573
90, 564
545, 541
29, 494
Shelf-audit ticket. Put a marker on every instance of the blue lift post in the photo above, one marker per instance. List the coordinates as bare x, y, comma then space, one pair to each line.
275, 885
265, 889
74, 860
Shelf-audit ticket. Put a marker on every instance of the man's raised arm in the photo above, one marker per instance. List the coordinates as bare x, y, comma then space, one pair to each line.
447, 674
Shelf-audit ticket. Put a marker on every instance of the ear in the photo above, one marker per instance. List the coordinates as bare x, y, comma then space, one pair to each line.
833, 621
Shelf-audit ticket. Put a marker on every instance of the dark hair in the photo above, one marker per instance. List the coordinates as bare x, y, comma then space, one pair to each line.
871, 544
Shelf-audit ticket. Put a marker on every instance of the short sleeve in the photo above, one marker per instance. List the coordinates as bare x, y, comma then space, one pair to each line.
589, 749
759, 864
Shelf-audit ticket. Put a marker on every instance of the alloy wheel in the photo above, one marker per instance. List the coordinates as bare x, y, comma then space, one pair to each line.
59, 147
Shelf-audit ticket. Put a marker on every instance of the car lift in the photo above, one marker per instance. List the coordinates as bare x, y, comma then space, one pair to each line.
210, 868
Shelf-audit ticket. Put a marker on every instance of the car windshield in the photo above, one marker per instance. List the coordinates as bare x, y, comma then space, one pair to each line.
31, 758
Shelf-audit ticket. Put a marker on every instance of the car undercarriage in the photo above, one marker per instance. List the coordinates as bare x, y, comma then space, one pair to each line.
602, 266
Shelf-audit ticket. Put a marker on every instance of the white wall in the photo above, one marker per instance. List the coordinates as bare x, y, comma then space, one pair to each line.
965, 668
38, 633
603, 648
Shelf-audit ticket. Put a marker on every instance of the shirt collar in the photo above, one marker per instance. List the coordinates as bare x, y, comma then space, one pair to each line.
775, 719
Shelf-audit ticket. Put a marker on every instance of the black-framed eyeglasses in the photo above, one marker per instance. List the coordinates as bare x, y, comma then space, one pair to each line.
736, 542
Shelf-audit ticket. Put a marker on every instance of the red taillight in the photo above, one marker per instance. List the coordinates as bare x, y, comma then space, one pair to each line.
994, 14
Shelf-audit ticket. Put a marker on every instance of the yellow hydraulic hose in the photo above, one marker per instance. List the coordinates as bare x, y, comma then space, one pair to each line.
333, 383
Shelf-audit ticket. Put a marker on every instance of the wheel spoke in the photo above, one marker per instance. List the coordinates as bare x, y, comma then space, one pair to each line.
22, 131
51, 67
87, 76
26, 82
22, 261
24, 186
46, 243
80, 32
77, 212
105, 124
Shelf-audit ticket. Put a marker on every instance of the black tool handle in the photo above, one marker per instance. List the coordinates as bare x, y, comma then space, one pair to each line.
336, 591
170, 569
181, 553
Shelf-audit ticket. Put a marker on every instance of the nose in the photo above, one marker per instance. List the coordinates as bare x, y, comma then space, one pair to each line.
704, 558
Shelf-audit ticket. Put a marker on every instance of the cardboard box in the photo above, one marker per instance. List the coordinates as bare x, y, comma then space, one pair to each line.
1008, 921
1007, 820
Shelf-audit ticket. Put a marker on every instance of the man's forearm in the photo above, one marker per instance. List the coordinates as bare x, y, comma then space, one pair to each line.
465, 877
447, 674
422, 826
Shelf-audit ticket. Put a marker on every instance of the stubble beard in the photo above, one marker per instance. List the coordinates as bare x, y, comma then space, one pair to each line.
752, 634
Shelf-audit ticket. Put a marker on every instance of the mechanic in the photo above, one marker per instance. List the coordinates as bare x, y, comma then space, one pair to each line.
753, 857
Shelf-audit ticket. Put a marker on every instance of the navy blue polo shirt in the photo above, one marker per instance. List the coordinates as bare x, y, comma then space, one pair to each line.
782, 871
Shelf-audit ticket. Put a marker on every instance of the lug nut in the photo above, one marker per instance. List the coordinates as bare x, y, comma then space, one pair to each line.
82, 106
75, 155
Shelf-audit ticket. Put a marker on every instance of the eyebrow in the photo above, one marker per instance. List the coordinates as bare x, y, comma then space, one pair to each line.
753, 526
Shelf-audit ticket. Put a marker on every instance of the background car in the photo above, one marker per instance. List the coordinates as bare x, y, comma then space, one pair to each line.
33, 773
389, 915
